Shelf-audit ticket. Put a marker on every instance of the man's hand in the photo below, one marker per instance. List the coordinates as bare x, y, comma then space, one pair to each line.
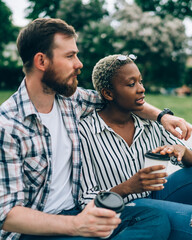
95, 222
92, 221
170, 123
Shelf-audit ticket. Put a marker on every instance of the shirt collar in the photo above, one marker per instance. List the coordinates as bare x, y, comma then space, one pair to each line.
139, 122
26, 106
99, 125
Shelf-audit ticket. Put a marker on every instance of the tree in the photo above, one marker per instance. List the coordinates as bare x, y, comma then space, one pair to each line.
177, 8
79, 14
8, 32
158, 43
95, 42
42, 8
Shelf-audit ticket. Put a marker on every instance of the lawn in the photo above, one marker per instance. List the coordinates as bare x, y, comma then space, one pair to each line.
4, 95
181, 106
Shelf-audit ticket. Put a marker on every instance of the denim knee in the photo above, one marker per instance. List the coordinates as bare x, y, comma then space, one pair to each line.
143, 223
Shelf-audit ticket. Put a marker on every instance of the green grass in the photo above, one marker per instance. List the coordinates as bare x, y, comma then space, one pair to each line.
5, 95
181, 106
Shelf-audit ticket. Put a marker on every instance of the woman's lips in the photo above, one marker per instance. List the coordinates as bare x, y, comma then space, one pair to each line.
140, 101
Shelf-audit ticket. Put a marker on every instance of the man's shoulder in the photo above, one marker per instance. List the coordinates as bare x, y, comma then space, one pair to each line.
9, 107
9, 113
88, 119
82, 94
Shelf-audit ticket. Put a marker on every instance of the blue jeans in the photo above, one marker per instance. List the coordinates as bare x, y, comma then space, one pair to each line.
176, 200
138, 223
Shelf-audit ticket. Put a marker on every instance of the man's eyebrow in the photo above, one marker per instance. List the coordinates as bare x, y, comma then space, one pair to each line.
72, 52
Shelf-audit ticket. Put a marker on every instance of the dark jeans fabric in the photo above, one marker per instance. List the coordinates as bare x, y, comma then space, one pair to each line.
138, 223
176, 200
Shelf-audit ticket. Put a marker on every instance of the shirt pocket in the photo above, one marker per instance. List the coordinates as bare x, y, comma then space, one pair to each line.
35, 171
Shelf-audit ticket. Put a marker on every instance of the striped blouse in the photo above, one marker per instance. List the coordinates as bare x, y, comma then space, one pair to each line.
108, 160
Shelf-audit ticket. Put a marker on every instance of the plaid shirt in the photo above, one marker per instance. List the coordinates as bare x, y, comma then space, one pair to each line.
25, 152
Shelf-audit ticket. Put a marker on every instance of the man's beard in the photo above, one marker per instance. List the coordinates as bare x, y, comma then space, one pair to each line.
52, 83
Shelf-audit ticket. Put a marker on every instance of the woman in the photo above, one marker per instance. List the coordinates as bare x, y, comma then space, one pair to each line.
114, 142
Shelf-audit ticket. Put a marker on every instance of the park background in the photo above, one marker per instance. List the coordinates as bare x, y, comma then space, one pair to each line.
154, 30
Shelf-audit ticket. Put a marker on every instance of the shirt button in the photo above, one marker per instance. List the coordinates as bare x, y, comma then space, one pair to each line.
47, 134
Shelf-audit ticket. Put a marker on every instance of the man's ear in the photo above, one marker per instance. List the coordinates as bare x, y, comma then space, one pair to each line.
107, 94
40, 61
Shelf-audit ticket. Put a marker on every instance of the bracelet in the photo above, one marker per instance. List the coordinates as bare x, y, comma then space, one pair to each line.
161, 114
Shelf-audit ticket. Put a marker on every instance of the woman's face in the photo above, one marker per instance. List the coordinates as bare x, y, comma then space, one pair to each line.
128, 91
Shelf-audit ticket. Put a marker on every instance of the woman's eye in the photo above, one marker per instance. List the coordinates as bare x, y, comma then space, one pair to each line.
131, 85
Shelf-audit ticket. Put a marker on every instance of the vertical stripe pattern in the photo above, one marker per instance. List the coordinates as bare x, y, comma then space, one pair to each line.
107, 159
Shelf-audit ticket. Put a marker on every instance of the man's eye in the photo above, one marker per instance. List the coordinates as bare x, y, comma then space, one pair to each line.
69, 56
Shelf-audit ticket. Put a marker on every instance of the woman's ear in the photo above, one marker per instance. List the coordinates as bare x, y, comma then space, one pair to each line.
107, 94
40, 61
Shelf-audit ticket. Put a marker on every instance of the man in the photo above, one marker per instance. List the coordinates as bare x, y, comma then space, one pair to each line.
39, 186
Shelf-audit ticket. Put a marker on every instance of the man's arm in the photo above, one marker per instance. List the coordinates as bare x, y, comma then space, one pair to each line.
169, 122
91, 221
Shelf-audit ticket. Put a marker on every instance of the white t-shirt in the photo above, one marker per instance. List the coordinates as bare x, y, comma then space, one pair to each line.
60, 195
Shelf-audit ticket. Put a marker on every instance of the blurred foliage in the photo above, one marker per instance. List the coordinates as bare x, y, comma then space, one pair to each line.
8, 32
156, 37
95, 42
79, 14
177, 8
13, 76
188, 77
158, 43
42, 8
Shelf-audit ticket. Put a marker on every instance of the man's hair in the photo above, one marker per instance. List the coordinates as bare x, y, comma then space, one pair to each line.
38, 36
105, 70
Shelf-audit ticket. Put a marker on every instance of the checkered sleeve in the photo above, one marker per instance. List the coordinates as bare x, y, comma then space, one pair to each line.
11, 186
87, 101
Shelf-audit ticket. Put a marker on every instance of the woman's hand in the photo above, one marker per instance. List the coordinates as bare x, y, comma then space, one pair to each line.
142, 181
177, 151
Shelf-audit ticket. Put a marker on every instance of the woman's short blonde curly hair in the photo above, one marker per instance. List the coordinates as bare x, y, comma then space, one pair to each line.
105, 69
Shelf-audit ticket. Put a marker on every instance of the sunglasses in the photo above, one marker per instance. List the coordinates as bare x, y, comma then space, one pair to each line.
122, 58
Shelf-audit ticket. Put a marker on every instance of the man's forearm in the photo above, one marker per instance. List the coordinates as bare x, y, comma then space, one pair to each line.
149, 112
28, 221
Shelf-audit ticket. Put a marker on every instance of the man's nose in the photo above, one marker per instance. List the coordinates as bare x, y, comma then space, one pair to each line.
78, 64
